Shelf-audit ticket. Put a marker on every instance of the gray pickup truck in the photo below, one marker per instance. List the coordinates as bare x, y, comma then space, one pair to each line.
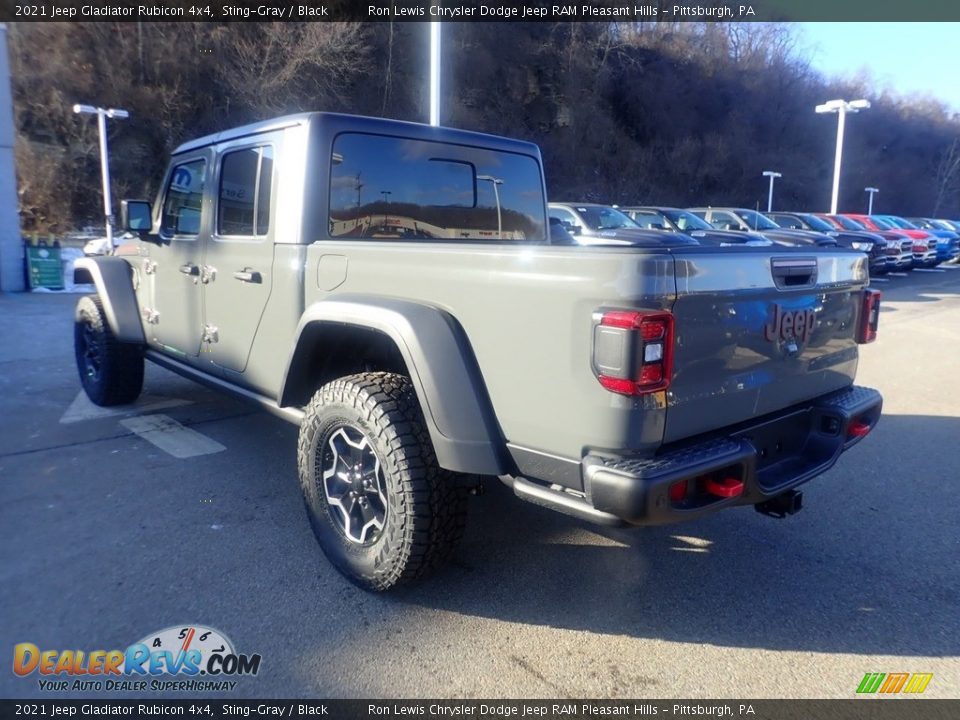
392, 289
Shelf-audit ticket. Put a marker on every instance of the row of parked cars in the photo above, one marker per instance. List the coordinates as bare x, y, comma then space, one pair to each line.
892, 243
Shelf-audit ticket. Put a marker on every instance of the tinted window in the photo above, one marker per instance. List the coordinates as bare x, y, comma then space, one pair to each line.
184, 200
387, 187
849, 223
818, 224
755, 220
687, 220
785, 221
244, 198
564, 215
650, 219
604, 218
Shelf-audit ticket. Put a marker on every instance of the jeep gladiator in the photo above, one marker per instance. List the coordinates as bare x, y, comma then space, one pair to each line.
392, 289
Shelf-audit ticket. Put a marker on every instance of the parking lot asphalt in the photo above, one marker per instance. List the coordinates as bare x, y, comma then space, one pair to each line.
106, 537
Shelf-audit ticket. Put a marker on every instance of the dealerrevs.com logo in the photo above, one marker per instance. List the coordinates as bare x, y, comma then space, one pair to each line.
200, 658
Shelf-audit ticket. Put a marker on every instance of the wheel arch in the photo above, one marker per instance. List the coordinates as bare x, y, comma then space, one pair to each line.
113, 279
425, 343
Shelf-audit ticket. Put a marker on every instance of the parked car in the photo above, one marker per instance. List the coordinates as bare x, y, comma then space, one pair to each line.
746, 220
677, 220
948, 240
924, 244
596, 224
899, 246
872, 244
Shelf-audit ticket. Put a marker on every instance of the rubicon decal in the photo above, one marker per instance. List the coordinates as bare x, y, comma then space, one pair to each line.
795, 325
892, 683
182, 650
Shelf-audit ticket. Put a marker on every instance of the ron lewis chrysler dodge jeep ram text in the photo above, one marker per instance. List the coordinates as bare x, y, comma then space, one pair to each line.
392, 289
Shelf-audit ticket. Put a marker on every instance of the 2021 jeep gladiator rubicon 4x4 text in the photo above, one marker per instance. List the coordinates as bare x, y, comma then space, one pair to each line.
392, 289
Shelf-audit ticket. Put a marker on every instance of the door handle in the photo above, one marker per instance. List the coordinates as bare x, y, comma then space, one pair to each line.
189, 269
248, 276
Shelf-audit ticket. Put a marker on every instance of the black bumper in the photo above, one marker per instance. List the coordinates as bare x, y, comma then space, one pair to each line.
766, 458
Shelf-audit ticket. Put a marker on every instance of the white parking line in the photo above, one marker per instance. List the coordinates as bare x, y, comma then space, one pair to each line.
950, 267
898, 274
172, 437
873, 280
934, 270
82, 409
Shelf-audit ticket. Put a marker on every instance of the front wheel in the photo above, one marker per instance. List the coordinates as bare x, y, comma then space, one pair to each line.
111, 372
381, 508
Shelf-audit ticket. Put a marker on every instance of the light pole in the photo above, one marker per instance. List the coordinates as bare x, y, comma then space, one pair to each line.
102, 116
773, 176
497, 182
435, 73
841, 107
386, 201
872, 191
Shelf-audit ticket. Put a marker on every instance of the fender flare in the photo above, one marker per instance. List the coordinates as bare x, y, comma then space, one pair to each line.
113, 280
442, 368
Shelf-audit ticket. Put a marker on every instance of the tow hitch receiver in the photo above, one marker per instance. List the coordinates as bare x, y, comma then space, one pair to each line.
787, 503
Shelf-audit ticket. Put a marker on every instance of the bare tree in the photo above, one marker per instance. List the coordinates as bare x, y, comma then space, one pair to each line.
947, 177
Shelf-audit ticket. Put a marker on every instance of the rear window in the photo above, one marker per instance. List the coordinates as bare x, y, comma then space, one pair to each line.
389, 187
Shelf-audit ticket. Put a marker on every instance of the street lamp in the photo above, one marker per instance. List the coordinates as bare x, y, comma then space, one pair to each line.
772, 175
872, 191
386, 201
841, 107
496, 193
435, 72
102, 116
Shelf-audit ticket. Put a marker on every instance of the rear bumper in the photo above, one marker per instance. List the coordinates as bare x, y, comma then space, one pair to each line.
767, 458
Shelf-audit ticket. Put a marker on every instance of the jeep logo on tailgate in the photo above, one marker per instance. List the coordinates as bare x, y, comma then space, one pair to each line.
790, 324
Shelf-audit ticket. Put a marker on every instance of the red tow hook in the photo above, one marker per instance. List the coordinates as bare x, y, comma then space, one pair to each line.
858, 429
726, 488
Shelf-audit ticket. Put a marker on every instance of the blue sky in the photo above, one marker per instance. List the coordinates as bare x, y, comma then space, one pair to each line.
904, 57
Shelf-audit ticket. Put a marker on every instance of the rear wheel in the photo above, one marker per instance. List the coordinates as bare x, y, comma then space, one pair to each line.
381, 508
111, 372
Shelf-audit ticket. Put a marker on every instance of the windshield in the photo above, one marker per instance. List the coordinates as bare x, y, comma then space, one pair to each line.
816, 223
848, 223
756, 221
882, 223
900, 222
652, 219
687, 221
605, 218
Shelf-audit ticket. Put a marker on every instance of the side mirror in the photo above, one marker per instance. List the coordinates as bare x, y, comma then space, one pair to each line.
575, 229
136, 216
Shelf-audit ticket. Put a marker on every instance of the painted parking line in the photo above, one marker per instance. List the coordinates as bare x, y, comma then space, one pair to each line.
82, 409
928, 270
873, 280
171, 437
898, 274
950, 267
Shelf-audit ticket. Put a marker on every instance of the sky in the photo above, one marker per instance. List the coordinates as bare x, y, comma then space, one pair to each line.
904, 57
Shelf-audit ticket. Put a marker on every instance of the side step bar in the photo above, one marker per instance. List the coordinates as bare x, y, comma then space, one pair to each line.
560, 501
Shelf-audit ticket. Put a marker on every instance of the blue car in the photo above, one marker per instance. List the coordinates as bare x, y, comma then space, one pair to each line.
948, 241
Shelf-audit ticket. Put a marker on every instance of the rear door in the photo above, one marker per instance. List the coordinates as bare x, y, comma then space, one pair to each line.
237, 271
757, 333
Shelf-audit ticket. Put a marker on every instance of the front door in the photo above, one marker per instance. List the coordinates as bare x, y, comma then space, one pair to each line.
173, 313
238, 259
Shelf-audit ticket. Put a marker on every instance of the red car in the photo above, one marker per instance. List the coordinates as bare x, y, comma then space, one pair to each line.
899, 245
924, 243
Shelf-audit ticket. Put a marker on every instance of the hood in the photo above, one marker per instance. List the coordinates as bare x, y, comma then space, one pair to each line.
730, 237
798, 237
637, 237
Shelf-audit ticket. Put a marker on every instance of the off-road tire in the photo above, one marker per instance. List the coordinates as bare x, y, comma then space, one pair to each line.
111, 372
425, 509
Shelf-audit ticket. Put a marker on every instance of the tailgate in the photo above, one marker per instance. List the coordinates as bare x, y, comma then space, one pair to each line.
756, 333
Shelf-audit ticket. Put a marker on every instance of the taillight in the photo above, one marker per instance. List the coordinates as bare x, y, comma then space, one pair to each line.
869, 316
633, 351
